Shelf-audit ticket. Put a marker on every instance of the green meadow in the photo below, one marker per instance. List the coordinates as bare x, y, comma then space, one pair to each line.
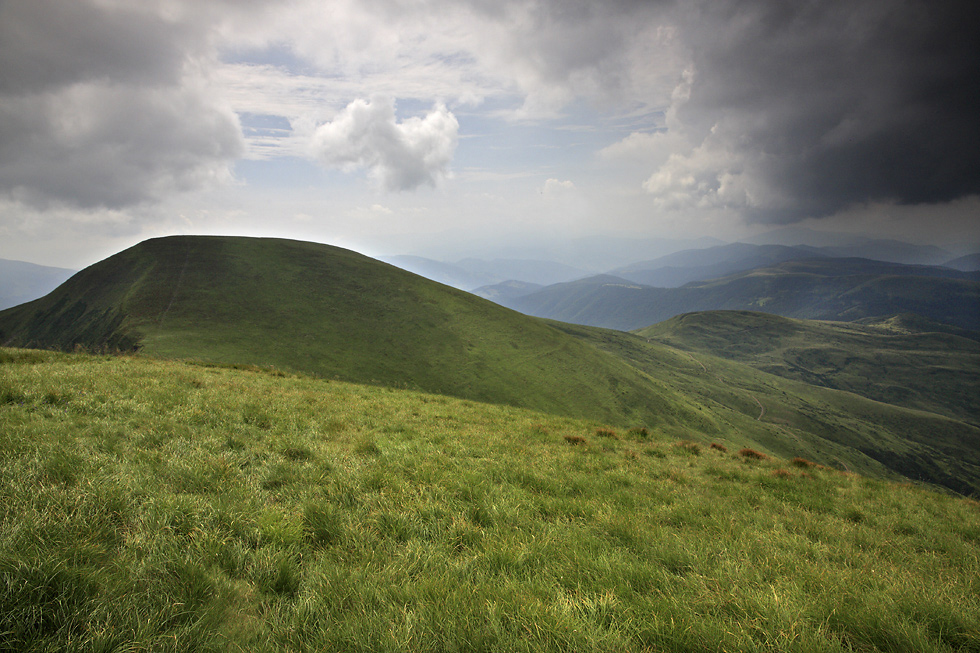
152, 505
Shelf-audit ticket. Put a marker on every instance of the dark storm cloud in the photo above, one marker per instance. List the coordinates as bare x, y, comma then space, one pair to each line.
106, 105
48, 43
821, 105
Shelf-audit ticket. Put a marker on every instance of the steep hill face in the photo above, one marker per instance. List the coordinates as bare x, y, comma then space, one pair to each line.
334, 313
821, 289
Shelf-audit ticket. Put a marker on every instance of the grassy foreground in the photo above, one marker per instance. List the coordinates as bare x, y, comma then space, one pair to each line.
150, 505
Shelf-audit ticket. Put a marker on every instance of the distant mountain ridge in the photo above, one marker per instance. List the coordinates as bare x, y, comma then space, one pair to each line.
968, 263
472, 273
853, 245
892, 251
824, 288
21, 282
680, 268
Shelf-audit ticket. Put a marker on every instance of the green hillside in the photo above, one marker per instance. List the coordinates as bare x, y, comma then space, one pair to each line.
739, 404
152, 505
819, 289
901, 360
337, 314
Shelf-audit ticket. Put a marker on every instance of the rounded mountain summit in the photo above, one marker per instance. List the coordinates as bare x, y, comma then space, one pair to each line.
322, 310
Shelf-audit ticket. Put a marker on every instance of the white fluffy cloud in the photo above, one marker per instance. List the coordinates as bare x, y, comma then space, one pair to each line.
556, 188
400, 155
112, 103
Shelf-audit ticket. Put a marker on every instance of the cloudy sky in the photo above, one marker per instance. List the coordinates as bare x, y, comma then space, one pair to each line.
451, 127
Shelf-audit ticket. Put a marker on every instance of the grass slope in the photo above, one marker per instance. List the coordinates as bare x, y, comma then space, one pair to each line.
334, 313
924, 436
153, 505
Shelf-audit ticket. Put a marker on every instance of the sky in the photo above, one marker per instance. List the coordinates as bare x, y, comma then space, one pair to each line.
451, 128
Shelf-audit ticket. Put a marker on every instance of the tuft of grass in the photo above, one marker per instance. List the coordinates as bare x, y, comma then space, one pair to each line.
298, 453
574, 439
692, 448
324, 524
719, 447
606, 433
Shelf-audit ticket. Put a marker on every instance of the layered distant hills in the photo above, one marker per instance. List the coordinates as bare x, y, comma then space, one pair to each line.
823, 288
21, 282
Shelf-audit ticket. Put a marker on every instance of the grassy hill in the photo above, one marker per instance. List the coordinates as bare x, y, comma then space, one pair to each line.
820, 289
159, 505
337, 314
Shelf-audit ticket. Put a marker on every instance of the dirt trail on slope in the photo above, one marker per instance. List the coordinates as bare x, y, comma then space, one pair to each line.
180, 277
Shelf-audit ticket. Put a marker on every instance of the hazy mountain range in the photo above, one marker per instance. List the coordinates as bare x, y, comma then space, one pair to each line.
21, 282
821, 288
674, 268
817, 282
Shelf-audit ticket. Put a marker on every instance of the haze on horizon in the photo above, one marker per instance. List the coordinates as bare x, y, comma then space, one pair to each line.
451, 127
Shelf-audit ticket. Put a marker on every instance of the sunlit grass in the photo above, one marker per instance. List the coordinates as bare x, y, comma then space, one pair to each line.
149, 505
